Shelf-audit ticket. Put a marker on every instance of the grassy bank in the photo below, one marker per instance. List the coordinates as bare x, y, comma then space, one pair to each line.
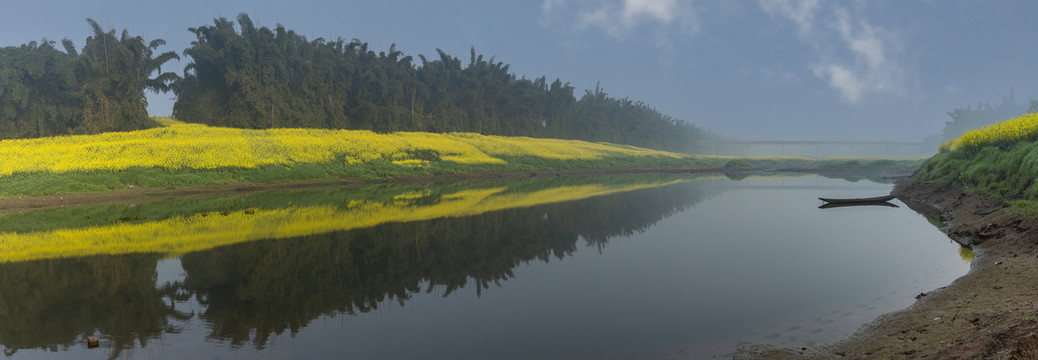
179, 155
1000, 160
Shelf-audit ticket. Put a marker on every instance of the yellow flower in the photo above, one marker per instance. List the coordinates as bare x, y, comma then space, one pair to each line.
179, 145
1001, 134
184, 234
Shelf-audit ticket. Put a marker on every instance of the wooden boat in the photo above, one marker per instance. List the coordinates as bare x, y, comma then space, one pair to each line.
837, 205
877, 199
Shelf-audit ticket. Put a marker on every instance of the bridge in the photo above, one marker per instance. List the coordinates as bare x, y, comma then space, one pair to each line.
853, 145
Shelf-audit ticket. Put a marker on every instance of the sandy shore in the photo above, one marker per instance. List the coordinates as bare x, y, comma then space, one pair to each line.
989, 313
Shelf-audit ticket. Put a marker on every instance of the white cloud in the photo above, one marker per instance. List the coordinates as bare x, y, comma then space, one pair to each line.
618, 18
850, 84
550, 10
864, 39
853, 56
661, 23
661, 10
801, 12
550, 5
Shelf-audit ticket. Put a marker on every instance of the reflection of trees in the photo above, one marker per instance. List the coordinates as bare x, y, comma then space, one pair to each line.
48, 304
253, 290
257, 289
854, 179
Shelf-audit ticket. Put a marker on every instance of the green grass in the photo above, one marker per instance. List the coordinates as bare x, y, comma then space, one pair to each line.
1008, 174
22, 184
1028, 208
48, 183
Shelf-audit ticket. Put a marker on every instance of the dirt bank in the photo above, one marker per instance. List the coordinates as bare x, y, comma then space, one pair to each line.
991, 312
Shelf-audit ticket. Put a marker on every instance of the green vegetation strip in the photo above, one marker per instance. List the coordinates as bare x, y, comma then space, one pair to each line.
22, 184
94, 215
1000, 160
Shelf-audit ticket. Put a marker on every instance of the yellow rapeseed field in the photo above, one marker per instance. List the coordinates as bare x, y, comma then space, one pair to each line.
1001, 134
179, 145
183, 234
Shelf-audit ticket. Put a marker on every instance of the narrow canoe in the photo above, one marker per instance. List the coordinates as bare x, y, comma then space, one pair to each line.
832, 205
859, 200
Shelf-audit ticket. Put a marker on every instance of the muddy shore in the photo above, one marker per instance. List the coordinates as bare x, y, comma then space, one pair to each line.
989, 313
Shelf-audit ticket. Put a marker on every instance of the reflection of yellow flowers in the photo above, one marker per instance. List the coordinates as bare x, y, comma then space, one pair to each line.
412, 195
179, 235
179, 145
1001, 134
966, 254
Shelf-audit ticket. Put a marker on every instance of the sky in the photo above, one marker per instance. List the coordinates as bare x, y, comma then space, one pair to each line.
876, 70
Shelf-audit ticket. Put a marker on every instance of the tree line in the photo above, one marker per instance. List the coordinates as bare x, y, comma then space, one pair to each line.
241, 75
45, 91
968, 118
263, 78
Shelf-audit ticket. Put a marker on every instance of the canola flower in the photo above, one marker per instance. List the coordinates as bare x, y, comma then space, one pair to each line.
184, 234
1003, 134
179, 145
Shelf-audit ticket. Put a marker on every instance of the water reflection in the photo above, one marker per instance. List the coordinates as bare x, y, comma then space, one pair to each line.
268, 287
179, 227
254, 289
256, 268
55, 304
966, 253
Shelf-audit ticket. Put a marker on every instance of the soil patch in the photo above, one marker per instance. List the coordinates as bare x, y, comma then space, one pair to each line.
991, 312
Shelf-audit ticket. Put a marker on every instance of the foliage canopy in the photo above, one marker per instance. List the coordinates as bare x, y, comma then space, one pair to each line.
244, 76
270, 78
45, 92
969, 118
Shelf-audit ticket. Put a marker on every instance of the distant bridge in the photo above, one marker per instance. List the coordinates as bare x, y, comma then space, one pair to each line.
817, 144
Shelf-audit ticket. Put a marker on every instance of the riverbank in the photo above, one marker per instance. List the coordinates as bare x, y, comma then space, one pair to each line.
846, 168
180, 155
988, 313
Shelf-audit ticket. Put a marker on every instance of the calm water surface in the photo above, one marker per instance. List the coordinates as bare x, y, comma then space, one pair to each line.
626, 268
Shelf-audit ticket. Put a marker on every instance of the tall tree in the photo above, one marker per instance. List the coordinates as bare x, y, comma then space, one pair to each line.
101, 88
115, 73
967, 118
262, 78
37, 91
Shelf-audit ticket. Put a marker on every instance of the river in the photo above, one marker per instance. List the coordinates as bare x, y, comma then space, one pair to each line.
604, 267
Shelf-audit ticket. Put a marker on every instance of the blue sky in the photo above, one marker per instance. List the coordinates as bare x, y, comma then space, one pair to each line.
767, 69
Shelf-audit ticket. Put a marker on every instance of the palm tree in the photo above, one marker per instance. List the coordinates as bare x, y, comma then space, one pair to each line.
115, 73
